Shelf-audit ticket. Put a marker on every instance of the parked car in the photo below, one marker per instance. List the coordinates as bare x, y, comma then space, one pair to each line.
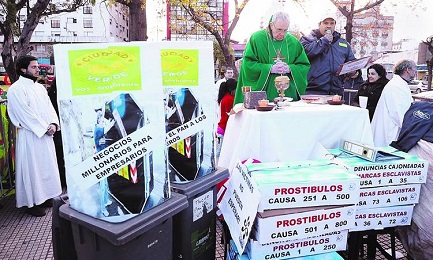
416, 86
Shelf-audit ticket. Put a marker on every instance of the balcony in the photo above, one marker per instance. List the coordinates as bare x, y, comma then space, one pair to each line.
70, 39
74, 39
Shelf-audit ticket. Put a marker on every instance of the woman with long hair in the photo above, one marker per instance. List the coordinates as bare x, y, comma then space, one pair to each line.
225, 100
372, 87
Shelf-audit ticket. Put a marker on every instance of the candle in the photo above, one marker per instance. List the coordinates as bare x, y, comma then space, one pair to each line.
263, 102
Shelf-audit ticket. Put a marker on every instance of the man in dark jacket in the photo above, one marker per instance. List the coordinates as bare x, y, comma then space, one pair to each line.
416, 138
326, 50
417, 125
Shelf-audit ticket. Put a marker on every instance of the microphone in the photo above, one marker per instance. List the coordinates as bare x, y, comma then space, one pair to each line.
328, 35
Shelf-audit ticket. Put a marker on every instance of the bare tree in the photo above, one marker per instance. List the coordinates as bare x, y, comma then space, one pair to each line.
347, 8
137, 19
199, 13
16, 41
349, 11
429, 43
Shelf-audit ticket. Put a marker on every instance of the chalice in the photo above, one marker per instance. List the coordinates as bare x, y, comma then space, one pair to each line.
246, 89
281, 84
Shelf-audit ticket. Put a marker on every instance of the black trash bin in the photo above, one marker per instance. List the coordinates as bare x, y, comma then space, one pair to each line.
194, 228
145, 236
63, 240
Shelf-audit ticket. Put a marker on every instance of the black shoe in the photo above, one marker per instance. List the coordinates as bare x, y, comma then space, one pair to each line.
36, 211
47, 204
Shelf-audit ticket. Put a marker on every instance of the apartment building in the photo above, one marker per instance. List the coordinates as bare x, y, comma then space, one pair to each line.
101, 22
181, 27
372, 31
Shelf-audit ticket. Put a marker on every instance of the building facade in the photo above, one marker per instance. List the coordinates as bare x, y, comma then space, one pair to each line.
372, 32
89, 24
181, 27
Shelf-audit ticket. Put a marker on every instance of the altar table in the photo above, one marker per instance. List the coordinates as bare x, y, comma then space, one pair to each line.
292, 133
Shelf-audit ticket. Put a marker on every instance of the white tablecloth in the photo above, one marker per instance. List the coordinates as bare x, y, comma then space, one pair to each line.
292, 133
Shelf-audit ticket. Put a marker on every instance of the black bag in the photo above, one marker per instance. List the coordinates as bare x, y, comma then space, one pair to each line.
186, 156
130, 187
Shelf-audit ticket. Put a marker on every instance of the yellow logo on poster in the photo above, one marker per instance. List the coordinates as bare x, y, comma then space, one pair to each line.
179, 67
99, 71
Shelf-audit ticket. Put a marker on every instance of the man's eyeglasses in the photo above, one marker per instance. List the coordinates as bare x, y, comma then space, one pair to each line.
278, 30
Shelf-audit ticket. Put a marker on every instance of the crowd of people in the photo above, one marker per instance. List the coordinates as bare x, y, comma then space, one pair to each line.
311, 63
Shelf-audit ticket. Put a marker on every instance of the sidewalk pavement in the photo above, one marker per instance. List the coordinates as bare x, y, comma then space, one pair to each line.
23, 236
26, 237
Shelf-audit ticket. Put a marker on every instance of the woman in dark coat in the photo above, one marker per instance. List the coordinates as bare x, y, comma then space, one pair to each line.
372, 87
57, 137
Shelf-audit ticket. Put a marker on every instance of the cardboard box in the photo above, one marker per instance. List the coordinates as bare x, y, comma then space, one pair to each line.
388, 196
232, 254
394, 172
379, 218
187, 148
304, 184
252, 98
289, 224
330, 242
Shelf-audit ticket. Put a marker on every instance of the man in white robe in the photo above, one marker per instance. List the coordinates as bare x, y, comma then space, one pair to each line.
37, 178
393, 103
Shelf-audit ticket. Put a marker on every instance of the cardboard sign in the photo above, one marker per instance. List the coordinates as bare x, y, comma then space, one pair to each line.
330, 242
379, 218
353, 65
109, 161
189, 108
187, 129
202, 204
388, 196
180, 66
239, 205
233, 254
281, 225
104, 70
110, 98
411, 169
304, 184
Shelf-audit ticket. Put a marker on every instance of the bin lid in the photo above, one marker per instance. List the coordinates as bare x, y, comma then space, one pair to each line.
123, 232
192, 188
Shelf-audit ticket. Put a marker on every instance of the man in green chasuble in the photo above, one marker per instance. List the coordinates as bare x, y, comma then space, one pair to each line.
270, 53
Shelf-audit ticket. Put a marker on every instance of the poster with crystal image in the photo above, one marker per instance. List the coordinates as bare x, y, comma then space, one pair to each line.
187, 79
113, 134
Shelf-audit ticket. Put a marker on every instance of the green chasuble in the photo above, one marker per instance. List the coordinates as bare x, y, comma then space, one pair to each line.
259, 56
